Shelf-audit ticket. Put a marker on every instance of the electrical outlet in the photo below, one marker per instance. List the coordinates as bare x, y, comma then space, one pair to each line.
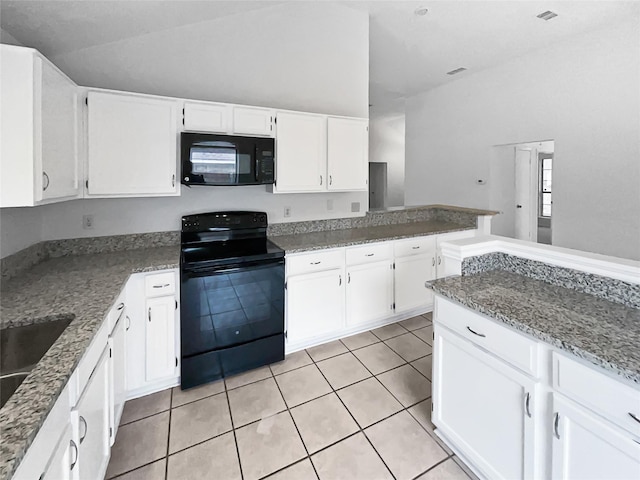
330, 204
355, 206
87, 222
287, 211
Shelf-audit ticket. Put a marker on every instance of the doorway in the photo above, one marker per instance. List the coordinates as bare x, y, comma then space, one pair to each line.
520, 180
377, 185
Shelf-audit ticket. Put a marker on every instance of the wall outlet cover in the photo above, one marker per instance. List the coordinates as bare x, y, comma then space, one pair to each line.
355, 206
87, 222
287, 211
330, 204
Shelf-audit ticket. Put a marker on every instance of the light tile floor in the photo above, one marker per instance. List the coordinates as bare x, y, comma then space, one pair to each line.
354, 409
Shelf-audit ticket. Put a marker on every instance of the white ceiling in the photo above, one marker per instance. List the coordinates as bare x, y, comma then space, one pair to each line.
408, 53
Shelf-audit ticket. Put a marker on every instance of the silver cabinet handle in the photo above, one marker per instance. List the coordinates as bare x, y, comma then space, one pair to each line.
120, 306
45, 177
348, 278
339, 280
369, 255
320, 179
433, 262
315, 263
555, 426
330, 180
476, 333
526, 404
415, 248
128, 323
173, 180
635, 417
75, 457
149, 313
86, 429
161, 286
439, 259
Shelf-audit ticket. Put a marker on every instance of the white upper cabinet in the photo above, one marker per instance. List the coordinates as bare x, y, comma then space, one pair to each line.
252, 121
347, 153
301, 152
39, 149
132, 145
206, 117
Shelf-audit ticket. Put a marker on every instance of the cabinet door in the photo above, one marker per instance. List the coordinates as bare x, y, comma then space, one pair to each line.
161, 360
474, 393
132, 145
347, 153
117, 374
135, 331
59, 124
252, 121
315, 305
301, 152
588, 447
206, 117
59, 467
410, 274
93, 422
369, 292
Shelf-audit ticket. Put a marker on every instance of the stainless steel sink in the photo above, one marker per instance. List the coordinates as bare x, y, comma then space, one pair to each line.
21, 348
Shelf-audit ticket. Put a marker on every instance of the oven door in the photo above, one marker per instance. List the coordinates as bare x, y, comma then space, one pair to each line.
218, 160
231, 319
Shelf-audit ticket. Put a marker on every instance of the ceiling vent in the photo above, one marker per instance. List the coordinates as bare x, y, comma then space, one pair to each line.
457, 70
548, 15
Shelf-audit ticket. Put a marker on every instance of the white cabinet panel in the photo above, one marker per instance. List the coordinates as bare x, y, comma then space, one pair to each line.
347, 153
92, 416
369, 292
206, 117
315, 304
160, 338
132, 145
586, 447
411, 273
118, 374
442, 269
38, 151
301, 152
59, 467
252, 121
485, 407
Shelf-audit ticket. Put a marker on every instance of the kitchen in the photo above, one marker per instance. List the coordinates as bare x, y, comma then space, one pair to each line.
325, 71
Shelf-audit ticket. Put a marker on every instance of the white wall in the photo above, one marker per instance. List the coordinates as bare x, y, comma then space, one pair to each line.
386, 144
7, 38
19, 228
301, 56
584, 94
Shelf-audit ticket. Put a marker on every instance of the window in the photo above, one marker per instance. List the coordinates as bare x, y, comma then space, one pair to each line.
545, 162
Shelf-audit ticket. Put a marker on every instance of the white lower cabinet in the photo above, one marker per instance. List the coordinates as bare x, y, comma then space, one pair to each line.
160, 338
585, 446
411, 272
61, 464
117, 374
91, 419
369, 294
315, 304
485, 407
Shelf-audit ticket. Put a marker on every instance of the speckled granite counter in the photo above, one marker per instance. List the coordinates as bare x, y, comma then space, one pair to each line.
604, 333
82, 287
301, 242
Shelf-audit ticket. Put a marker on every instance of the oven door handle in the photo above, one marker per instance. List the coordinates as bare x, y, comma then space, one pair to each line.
198, 271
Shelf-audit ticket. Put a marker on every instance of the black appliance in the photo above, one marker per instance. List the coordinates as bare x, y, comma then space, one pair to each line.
209, 159
232, 296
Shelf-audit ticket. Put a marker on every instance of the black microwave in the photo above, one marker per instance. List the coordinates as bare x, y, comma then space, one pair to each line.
210, 159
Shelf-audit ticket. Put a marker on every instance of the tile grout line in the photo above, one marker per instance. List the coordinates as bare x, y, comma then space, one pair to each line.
166, 458
233, 429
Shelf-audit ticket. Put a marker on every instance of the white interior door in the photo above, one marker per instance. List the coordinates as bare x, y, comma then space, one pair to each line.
523, 206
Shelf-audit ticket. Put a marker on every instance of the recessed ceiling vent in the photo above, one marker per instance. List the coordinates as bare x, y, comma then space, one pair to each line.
457, 70
548, 15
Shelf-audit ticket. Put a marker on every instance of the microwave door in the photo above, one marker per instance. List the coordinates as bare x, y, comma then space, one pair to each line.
216, 162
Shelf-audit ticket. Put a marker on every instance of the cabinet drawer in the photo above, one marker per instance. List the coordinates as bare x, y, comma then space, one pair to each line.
160, 284
414, 246
90, 359
617, 402
315, 261
373, 252
508, 345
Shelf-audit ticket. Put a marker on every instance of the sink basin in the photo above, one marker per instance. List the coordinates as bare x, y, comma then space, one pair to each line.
21, 348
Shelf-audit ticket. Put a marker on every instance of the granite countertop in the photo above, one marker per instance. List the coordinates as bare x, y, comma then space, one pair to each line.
604, 333
83, 288
302, 242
